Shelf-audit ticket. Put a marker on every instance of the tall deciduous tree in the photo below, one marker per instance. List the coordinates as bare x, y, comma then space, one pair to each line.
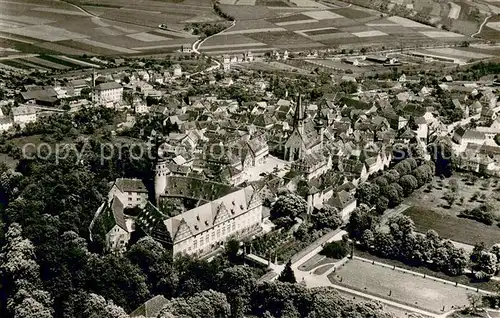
207, 303
287, 275
21, 284
287, 207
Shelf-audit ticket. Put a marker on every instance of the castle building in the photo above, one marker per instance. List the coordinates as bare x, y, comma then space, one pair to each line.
205, 228
206, 214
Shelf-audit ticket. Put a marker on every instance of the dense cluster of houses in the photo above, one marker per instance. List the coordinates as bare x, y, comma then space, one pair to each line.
106, 89
213, 177
229, 158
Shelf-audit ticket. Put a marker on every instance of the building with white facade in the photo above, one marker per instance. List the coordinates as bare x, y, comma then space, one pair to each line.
5, 123
226, 63
203, 229
105, 93
177, 70
23, 115
132, 192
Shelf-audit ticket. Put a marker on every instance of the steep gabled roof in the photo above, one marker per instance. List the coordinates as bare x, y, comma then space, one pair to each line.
205, 216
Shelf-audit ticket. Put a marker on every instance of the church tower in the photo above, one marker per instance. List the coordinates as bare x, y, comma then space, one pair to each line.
299, 116
320, 122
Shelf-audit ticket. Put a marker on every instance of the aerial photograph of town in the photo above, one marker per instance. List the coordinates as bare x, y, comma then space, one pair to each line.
249, 158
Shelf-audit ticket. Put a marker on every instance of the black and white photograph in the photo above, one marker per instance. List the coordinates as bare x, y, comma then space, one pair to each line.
249, 159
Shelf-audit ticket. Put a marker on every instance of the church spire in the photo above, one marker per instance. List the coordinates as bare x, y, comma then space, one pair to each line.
299, 115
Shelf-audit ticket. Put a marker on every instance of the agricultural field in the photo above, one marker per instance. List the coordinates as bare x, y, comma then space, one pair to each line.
114, 27
119, 27
491, 31
398, 286
460, 16
439, 215
311, 27
47, 63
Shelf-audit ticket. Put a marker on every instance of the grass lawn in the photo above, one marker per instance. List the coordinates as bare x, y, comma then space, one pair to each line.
316, 261
402, 287
323, 269
452, 227
491, 285
430, 210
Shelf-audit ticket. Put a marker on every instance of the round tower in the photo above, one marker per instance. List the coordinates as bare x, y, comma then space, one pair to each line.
161, 173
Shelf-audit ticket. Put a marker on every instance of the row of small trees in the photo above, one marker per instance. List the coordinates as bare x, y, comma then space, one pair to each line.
393, 185
404, 244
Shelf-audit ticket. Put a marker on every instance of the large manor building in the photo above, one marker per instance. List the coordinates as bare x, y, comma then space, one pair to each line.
191, 215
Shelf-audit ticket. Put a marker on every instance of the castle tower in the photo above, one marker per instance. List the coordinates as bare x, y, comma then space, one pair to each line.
161, 170
161, 173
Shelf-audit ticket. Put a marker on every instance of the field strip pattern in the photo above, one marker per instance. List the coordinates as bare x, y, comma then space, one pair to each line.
123, 29
140, 10
46, 63
34, 66
368, 34
8, 24
317, 29
99, 22
60, 11
296, 22
441, 34
13, 38
109, 31
309, 3
210, 47
146, 37
454, 11
255, 31
105, 46
382, 25
408, 23
494, 25
241, 51
459, 53
246, 2
25, 19
155, 47
46, 33
75, 61
177, 34
322, 15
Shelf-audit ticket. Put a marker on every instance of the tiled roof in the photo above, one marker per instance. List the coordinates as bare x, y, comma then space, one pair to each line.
179, 186
131, 185
340, 199
23, 110
207, 215
117, 210
108, 85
